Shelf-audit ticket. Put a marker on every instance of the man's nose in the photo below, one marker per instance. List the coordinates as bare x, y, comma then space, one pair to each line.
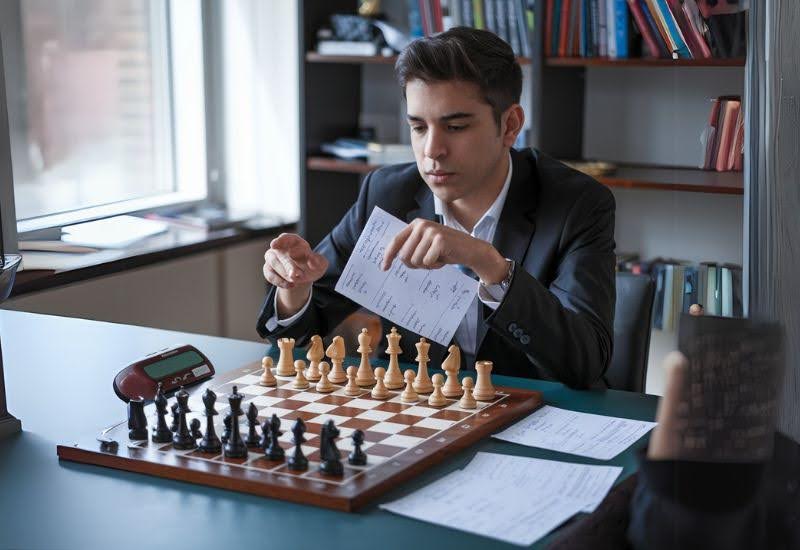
435, 146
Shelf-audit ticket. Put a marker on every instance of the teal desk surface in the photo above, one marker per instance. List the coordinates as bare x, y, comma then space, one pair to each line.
59, 375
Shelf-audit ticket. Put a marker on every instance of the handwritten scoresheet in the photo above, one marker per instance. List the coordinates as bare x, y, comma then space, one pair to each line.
468, 503
431, 303
583, 434
585, 483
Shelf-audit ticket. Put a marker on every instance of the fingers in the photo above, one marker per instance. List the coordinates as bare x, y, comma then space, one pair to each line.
274, 271
667, 439
394, 246
290, 261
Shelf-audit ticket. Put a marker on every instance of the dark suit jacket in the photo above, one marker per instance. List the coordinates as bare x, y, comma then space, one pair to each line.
556, 320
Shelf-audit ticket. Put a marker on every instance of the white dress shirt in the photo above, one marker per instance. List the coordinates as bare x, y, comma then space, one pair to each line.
491, 296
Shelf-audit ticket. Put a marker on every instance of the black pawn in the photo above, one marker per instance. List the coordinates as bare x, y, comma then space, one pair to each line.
137, 421
331, 463
161, 432
235, 447
252, 424
298, 461
210, 442
357, 456
174, 409
194, 428
226, 433
274, 451
183, 439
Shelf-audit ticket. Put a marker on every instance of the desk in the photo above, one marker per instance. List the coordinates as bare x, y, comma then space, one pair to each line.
58, 379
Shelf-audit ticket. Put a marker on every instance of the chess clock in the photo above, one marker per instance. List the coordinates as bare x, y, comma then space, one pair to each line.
173, 367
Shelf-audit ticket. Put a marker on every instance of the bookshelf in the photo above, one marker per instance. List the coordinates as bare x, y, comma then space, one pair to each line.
642, 62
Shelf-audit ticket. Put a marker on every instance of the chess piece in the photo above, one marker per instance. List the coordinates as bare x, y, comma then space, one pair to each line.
274, 451
336, 353
210, 442
422, 383
364, 376
137, 421
267, 378
174, 426
484, 391
315, 354
161, 432
300, 382
324, 385
183, 439
409, 395
351, 388
286, 357
451, 366
234, 446
194, 428
467, 401
298, 461
252, 424
226, 432
330, 459
379, 391
263, 441
393, 378
357, 456
437, 398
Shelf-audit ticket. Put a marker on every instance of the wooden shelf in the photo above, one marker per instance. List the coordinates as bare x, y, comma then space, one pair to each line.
314, 57
629, 177
642, 62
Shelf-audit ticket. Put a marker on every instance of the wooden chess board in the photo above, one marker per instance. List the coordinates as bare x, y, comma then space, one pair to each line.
401, 440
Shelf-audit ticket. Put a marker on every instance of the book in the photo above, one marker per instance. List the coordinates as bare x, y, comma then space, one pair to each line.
709, 137
663, 45
414, 20
477, 14
548, 28
686, 22
736, 152
621, 24
671, 25
644, 28
611, 33
729, 114
564, 27
525, 42
346, 47
514, 31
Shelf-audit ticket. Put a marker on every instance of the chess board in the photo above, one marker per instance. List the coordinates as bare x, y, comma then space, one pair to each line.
401, 440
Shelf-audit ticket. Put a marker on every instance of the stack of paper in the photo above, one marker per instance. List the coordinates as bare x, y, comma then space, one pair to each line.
114, 232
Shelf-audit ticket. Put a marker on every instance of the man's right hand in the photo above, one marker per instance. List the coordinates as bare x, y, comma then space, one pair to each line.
291, 265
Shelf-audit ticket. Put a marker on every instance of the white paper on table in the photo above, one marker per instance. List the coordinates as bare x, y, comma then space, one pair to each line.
583, 434
431, 303
585, 483
114, 232
462, 501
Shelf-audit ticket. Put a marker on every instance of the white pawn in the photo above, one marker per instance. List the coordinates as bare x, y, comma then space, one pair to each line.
451, 366
324, 385
300, 382
336, 353
467, 402
315, 354
285, 360
351, 388
437, 398
484, 391
379, 391
267, 378
409, 395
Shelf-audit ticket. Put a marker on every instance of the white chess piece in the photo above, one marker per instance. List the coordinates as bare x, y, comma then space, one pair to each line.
300, 382
393, 379
324, 385
409, 395
437, 398
451, 366
484, 391
380, 391
286, 358
365, 376
351, 388
422, 383
468, 401
315, 354
267, 378
336, 354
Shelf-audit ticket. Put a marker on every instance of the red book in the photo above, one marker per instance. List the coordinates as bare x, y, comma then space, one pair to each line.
548, 29
563, 32
644, 28
735, 158
713, 118
423, 12
692, 22
437, 15
728, 132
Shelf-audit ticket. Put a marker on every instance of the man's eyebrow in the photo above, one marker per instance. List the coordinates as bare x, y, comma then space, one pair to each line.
445, 118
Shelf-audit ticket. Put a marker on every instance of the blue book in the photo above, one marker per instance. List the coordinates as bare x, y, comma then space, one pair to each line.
673, 30
557, 15
662, 47
414, 20
621, 16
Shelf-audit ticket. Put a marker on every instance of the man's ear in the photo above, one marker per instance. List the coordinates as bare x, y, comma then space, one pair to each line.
512, 122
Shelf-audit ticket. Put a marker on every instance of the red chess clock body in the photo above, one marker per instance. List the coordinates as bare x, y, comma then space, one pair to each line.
173, 367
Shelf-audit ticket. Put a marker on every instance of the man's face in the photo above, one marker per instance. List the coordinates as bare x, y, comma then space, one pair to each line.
457, 145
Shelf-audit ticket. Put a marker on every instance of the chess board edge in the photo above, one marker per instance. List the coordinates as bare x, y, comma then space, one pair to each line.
348, 497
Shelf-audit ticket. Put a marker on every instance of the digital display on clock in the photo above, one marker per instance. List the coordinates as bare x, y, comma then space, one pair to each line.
172, 365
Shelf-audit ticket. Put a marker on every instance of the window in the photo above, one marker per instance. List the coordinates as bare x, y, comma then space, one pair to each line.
106, 106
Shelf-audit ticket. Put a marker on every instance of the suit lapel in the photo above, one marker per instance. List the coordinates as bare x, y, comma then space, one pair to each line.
425, 210
517, 222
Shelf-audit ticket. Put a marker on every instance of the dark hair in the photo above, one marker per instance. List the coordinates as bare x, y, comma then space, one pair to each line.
469, 55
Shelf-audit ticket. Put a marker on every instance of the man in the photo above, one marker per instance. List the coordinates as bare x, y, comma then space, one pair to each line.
538, 235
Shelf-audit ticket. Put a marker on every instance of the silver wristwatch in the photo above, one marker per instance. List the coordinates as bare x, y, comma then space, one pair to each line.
503, 285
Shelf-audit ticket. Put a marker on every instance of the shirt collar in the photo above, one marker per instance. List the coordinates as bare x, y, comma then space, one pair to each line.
490, 216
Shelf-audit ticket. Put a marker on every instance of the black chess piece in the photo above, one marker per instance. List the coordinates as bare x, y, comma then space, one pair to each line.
330, 459
210, 442
252, 423
357, 456
235, 447
137, 421
174, 409
298, 461
194, 428
226, 433
182, 439
274, 451
161, 432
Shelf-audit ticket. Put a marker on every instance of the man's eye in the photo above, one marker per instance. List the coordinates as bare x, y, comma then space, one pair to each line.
418, 129
453, 128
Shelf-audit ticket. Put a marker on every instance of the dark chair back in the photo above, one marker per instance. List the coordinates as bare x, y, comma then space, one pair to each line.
628, 369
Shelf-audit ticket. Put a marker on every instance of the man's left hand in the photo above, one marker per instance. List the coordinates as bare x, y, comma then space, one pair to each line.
429, 245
